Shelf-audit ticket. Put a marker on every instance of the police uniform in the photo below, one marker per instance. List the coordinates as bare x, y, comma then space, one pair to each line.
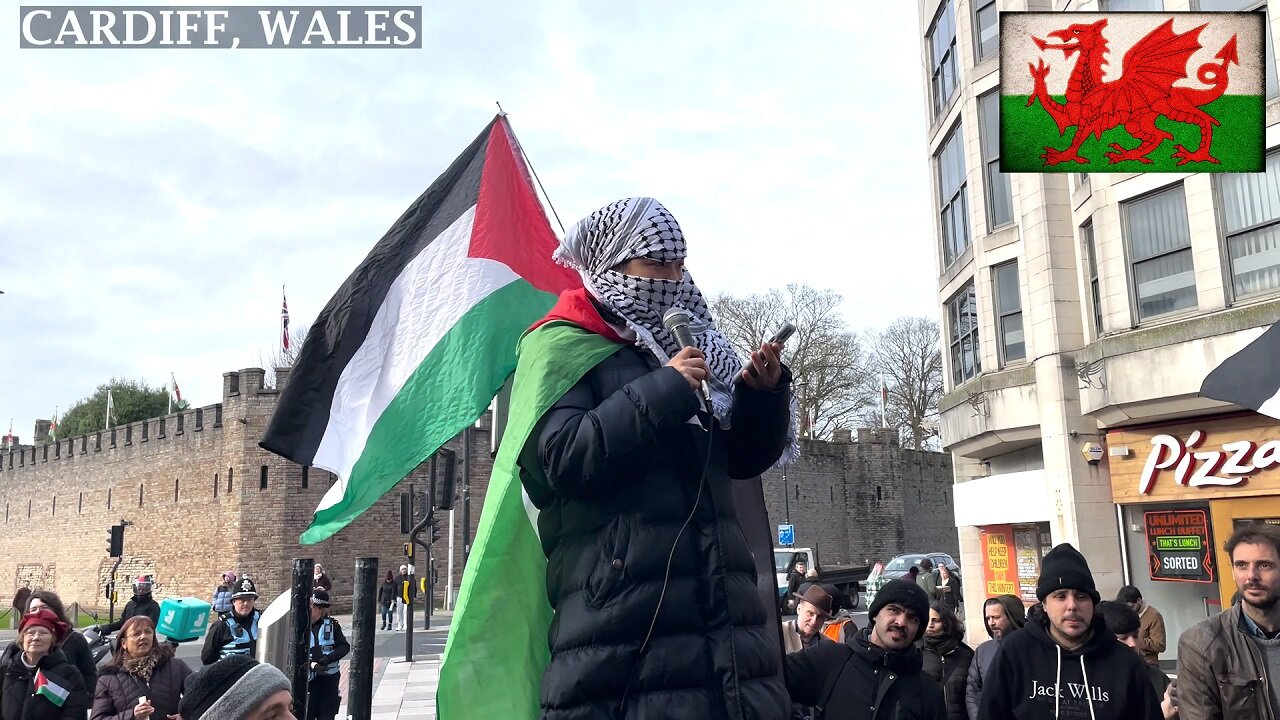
233, 635
328, 647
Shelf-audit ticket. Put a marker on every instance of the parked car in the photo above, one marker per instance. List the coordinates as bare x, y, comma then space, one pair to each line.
898, 567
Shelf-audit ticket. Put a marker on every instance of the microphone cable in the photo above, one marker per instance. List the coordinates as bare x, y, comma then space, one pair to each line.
666, 576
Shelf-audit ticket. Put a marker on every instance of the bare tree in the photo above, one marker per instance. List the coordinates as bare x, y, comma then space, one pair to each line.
831, 369
907, 356
281, 358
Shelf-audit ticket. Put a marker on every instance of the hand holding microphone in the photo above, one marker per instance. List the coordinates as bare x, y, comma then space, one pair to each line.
690, 361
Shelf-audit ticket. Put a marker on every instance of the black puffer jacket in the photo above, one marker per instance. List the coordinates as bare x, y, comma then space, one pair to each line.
947, 661
137, 605
614, 466
118, 690
17, 685
860, 681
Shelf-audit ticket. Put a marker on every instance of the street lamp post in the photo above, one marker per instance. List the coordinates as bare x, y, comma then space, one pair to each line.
786, 491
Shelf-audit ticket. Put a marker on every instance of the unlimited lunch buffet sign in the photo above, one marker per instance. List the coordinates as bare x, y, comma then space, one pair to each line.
1232, 457
1179, 547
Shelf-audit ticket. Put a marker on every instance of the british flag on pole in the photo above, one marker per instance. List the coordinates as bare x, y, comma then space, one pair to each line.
1132, 92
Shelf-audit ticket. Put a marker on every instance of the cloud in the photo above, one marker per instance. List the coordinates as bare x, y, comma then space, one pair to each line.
155, 201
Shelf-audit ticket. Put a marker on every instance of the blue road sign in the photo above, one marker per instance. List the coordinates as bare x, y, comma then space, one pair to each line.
786, 534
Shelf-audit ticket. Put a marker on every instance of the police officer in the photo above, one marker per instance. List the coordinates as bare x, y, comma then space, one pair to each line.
328, 647
237, 632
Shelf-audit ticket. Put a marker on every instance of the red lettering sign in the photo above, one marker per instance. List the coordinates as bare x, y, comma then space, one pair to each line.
1231, 465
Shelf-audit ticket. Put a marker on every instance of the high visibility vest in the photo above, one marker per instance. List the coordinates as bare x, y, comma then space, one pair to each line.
323, 639
242, 639
833, 630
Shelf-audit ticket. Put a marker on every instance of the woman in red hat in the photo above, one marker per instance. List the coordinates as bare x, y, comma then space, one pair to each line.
36, 681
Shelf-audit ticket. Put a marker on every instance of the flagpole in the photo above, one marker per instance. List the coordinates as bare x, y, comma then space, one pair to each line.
170, 394
884, 405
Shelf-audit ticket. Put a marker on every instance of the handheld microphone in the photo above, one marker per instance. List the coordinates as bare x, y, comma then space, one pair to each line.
676, 321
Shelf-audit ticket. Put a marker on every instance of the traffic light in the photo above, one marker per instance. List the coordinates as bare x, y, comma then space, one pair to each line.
435, 530
406, 513
445, 487
115, 541
408, 550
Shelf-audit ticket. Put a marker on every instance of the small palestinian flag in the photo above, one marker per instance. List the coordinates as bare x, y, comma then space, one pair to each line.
50, 690
1130, 92
1251, 377
418, 340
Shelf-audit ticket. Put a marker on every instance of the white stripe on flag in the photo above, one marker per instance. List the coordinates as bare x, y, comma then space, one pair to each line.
424, 302
1271, 407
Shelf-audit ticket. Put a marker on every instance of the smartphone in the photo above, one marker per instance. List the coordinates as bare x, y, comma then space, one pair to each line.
784, 332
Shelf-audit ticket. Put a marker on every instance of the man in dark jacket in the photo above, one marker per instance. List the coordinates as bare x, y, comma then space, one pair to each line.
1124, 622
649, 574
1001, 616
1067, 665
1226, 664
878, 674
140, 604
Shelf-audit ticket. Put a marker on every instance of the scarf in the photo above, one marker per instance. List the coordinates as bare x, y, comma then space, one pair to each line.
643, 228
143, 666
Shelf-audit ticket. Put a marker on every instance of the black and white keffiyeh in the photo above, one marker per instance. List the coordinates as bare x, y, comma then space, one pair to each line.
642, 227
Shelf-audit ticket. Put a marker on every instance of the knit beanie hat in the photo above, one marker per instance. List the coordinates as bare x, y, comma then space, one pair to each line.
907, 594
1064, 568
231, 689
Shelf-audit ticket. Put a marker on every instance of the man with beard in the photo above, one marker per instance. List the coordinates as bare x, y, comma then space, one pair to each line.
237, 632
1001, 615
1228, 665
1066, 663
878, 673
632, 463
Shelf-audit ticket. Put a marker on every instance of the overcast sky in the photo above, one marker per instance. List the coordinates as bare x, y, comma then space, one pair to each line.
153, 202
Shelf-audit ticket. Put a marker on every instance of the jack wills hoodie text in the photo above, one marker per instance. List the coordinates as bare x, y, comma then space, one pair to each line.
1033, 678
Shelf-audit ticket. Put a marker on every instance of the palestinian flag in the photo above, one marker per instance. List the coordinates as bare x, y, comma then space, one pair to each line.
50, 690
1179, 92
1250, 378
418, 340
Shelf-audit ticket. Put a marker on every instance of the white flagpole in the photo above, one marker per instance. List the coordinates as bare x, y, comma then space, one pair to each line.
107, 420
169, 387
884, 409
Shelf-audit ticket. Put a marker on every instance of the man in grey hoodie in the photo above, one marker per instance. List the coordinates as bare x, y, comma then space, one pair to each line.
1002, 615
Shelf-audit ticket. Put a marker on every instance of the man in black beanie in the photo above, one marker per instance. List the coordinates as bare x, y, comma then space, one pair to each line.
1066, 663
237, 688
877, 673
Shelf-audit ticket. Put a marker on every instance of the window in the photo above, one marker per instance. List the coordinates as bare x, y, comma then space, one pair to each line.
942, 57
1273, 90
108, 498
1159, 243
962, 316
986, 29
305, 474
80, 504
952, 202
230, 478
215, 485
1009, 313
1251, 221
262, 478
1091, 254
999, 192
54, 511
175, 489
1129, 5
139, 495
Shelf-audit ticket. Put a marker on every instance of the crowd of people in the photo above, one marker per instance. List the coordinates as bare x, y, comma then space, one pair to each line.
49, 672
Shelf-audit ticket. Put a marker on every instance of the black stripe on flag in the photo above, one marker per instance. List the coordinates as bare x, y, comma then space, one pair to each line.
302, 414
1249, 378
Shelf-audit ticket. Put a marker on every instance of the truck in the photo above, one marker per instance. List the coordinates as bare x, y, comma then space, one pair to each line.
846, 579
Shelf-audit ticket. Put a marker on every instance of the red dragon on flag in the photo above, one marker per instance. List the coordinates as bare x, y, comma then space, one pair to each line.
1142, 95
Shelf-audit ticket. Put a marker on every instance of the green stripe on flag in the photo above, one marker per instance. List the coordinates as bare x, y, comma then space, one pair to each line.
449, 390
497, 648
1238, 142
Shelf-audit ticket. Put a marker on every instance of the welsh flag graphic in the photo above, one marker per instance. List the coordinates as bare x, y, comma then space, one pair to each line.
50, 690
1128, 92
418, 340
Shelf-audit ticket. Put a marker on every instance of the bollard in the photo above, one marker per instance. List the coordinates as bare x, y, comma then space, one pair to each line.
363, 605
299, 663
